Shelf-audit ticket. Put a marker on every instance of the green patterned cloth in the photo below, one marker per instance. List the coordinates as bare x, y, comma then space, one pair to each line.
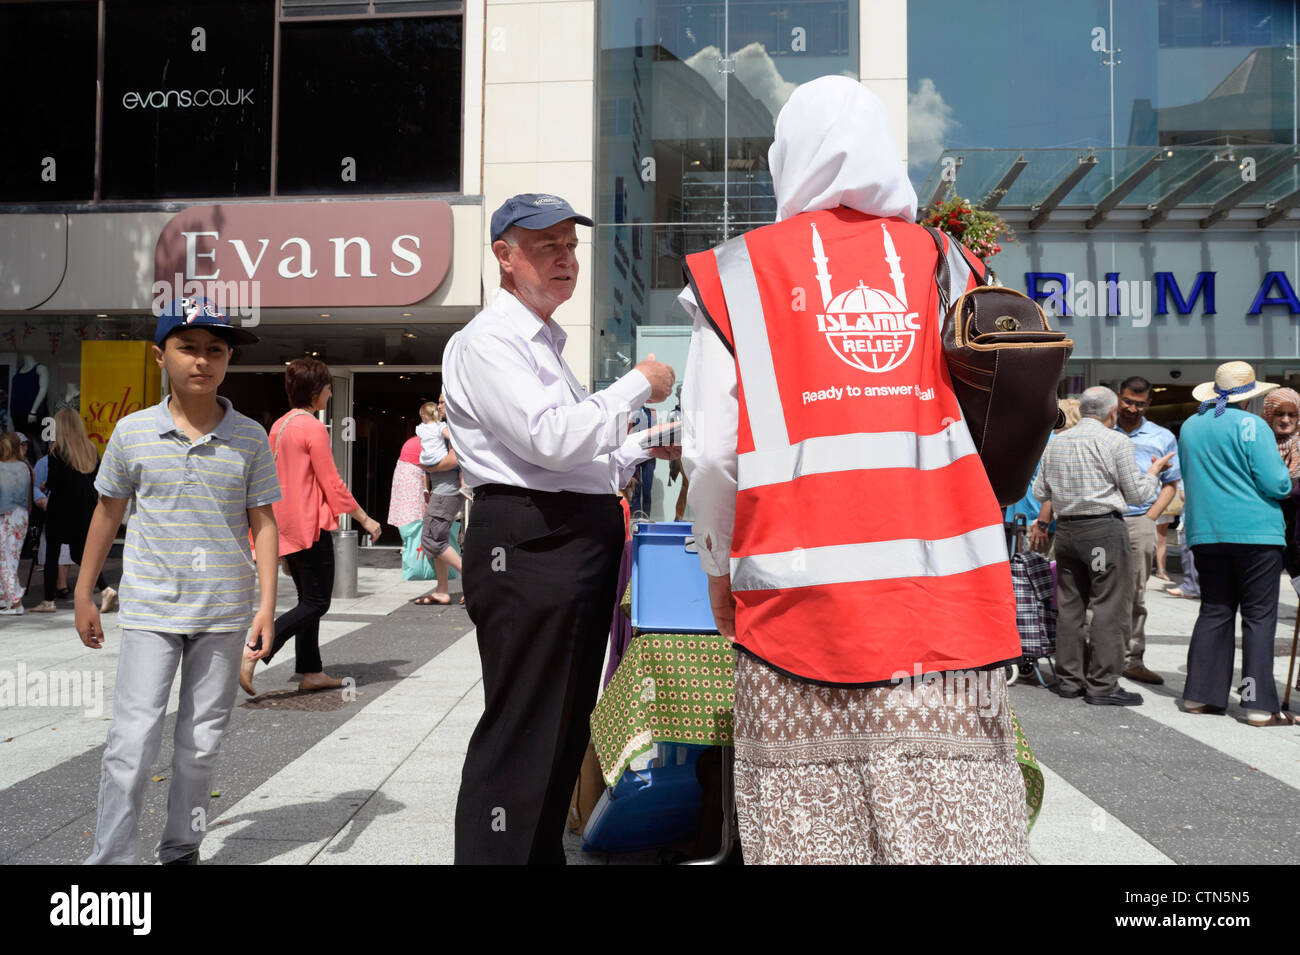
669, 688
1029, 770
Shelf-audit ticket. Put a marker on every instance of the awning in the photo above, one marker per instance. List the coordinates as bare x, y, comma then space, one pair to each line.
1132, 188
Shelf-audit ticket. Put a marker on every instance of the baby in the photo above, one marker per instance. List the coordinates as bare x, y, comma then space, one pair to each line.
433, 446
435, 439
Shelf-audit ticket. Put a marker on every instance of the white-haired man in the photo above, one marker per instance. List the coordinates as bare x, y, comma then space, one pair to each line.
1089, 475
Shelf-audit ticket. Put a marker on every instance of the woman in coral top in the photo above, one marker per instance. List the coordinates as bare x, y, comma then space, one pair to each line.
313, 497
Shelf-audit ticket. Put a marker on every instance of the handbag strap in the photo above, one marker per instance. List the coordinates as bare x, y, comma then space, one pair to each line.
275, 450
943, 274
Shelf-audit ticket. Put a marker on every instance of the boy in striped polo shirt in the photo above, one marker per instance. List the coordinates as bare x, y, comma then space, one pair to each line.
199, 474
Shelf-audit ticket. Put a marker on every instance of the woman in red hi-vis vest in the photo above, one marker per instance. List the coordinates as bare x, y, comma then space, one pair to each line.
854, 546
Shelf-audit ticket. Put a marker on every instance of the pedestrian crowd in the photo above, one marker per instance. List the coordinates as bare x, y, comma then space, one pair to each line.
829, 565
1104, 489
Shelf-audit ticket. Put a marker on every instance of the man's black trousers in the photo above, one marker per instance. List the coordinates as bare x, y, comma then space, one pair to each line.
541, 570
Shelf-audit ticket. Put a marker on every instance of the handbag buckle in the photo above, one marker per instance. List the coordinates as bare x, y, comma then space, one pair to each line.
1005, 323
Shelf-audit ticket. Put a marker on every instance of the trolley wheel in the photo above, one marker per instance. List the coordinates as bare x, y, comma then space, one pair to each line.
1013, 673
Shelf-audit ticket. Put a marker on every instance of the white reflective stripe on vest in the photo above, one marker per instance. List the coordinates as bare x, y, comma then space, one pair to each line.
852, 452
880, 560
753, 353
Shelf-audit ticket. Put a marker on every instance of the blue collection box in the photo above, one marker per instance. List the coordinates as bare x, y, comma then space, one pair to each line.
670, 591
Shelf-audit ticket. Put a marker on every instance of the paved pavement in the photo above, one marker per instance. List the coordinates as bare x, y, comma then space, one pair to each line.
370, 775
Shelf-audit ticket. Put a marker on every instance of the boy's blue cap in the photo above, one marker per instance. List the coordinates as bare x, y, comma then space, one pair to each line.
533, 210
199, 313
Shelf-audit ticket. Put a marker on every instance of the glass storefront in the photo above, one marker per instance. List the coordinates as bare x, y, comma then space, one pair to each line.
370, 106
187, 99
1098, 73
366, 105
1142, 150
689, 94
47, 111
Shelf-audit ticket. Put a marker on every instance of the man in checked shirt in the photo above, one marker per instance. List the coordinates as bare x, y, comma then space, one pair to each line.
1088, 479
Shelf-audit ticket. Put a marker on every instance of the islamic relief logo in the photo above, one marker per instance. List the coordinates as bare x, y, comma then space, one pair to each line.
870, 329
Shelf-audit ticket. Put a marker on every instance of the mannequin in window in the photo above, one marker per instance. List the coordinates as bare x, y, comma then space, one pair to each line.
71, 398
27, 395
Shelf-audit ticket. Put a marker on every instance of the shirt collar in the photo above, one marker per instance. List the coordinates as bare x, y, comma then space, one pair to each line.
527, 323
1138, 430
225, 429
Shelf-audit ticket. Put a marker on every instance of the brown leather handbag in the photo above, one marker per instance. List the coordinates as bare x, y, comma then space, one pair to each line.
1005, 362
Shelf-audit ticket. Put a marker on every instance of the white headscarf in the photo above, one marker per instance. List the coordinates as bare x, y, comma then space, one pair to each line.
833, 148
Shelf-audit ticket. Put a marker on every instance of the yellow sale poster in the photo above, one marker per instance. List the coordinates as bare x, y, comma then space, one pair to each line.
117, 378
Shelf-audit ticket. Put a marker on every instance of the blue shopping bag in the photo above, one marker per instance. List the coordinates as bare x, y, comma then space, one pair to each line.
414, 566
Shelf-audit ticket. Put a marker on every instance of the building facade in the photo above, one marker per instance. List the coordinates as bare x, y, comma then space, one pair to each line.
340, 159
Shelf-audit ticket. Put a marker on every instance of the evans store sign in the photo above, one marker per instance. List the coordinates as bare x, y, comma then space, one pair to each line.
296, 254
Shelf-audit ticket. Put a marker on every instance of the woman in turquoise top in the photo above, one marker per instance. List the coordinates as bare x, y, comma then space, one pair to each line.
1235, 482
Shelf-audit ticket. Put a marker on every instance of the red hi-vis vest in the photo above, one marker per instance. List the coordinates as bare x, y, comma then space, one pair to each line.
868, 544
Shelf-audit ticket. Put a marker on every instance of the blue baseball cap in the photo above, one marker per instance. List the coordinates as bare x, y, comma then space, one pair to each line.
533, 210
182, 313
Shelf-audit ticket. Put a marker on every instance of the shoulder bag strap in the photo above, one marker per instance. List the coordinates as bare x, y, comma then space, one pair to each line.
275, 448
941, 275
942, 272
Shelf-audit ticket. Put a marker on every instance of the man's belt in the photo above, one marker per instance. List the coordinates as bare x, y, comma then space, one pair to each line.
482, 491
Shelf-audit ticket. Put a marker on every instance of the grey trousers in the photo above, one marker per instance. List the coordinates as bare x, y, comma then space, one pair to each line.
1093, 572
209, 665
1142, 548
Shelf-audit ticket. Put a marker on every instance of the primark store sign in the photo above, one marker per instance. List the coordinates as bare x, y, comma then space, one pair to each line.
1182, 296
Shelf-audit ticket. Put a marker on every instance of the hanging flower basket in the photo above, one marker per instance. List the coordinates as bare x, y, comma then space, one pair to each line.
980, 230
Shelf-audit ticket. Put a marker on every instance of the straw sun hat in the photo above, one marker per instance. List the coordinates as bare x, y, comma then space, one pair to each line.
1234, 381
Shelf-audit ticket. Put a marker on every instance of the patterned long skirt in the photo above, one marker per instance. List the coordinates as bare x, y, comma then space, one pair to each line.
13, 530
406, 503
914, 773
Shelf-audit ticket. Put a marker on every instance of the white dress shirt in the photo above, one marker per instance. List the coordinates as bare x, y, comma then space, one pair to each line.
518, 416
710, 419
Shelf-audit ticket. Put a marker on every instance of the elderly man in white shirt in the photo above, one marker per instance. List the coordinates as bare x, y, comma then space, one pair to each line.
545, 460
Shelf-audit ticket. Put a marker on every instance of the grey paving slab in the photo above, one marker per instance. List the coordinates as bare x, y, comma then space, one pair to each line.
36, 813
1158, 781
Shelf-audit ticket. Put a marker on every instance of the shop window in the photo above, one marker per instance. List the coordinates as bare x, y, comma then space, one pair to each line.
47, 72
371, 105
187, 99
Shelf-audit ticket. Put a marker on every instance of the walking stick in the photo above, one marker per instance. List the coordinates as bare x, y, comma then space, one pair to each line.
1290, 669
